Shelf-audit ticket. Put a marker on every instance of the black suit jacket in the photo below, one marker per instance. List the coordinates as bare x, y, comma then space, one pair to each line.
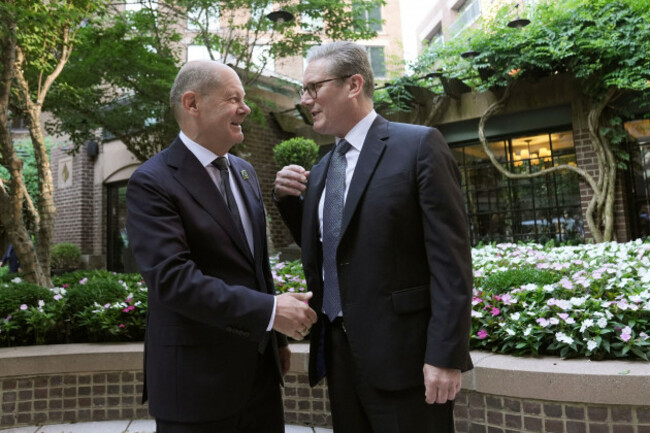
404, 260
210, 300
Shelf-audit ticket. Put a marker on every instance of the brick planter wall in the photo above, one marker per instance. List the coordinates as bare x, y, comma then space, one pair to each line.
94, 382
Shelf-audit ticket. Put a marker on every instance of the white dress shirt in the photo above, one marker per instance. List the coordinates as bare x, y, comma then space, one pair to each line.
206, 157
356, 137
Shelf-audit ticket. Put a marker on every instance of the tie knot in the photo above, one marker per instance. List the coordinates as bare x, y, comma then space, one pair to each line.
343, 146
221, 163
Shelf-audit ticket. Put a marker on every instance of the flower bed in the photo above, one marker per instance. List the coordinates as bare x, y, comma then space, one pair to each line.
586, 300
574, 301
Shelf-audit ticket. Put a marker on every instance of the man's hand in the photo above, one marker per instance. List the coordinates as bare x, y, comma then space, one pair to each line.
441, 384
290, 181
285, 359
293, 317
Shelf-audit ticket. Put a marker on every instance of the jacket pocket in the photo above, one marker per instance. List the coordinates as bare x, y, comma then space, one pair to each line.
411, 300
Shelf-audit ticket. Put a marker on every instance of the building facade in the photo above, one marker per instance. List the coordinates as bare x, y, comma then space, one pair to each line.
91, 201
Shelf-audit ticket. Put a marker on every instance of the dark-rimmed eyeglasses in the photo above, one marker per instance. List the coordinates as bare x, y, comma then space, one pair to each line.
312, 88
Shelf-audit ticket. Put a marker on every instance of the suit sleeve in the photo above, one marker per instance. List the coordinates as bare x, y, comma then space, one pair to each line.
446, 232
159, 242
291, 211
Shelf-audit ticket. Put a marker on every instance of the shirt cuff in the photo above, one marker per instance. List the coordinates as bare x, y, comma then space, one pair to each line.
275, 303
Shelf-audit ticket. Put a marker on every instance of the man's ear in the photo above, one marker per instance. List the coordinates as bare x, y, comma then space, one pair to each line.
189, 101
356, 85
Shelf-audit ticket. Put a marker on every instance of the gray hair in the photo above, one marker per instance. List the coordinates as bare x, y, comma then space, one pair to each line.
195, 76
346, 58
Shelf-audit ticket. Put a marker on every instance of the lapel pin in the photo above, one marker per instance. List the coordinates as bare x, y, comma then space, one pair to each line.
244, 174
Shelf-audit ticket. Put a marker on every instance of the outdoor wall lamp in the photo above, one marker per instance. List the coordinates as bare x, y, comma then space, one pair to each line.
519, 22
280, 16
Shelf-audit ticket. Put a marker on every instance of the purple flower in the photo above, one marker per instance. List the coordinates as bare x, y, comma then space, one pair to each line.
83, 281
482, 334
23, 307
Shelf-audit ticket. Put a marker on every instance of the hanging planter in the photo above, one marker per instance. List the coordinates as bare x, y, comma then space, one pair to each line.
454, 87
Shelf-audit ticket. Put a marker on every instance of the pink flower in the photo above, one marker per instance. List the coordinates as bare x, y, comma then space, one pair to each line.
58, 297
495, 311
482, 334
65, 286
83, 281
23, 307
122, 325
626, 334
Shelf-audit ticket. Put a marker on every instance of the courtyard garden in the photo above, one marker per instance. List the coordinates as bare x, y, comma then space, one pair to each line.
590, 301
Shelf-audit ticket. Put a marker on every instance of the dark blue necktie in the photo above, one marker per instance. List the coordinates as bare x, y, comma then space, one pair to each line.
222, 164
332, 216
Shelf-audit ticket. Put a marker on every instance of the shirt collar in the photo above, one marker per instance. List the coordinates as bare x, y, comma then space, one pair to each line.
204, 155
357, 135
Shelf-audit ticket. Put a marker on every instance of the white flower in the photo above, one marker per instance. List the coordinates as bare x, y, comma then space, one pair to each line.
528, 331
602, 323
563, 338
510, 331
41, 303
477, 314
587, 323
16, 280
515, 316
591, 345
554, 320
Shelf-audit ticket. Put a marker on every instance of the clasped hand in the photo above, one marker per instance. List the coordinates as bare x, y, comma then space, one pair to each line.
293, 317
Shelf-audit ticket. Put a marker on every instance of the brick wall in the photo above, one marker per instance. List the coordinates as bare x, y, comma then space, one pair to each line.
484, 413
116, 395
74, 201
586, 159
258, 150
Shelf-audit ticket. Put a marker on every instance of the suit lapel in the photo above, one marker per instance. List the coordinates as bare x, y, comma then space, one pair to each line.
373, 148
253, 202
317, 177
195, 179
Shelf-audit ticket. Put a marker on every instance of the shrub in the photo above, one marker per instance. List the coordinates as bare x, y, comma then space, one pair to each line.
501, 282
300, 151
13, 295
65, 256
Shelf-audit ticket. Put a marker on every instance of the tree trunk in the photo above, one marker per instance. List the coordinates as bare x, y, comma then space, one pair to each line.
13, 196
600, 212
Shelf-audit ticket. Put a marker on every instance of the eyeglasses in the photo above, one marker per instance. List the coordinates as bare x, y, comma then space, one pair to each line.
312, 88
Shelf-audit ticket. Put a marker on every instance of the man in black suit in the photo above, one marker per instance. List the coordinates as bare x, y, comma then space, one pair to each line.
213, 359
385, 249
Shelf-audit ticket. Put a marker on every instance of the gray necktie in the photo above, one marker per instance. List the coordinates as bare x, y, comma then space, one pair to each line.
222, 164
332, 216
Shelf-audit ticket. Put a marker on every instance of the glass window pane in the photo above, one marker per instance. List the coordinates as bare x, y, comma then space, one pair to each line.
377, 61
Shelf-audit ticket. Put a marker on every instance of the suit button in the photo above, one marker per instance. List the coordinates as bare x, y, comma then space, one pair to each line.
344, 264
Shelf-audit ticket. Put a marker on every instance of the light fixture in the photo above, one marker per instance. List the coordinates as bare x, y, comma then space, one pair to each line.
435, 74
469, 54
519, 22
280, 16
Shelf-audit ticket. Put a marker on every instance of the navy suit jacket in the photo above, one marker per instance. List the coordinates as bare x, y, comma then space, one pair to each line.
210, 299
404, 258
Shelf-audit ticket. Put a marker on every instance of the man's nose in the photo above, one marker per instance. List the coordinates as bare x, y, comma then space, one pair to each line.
306, 99
245, 108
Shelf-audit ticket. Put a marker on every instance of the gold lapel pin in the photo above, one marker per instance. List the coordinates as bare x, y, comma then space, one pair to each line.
244, 174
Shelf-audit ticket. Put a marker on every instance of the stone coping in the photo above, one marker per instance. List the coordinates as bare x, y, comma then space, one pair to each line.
545, 378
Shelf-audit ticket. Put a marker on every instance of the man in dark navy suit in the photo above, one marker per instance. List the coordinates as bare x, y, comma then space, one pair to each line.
214, 355
385, 249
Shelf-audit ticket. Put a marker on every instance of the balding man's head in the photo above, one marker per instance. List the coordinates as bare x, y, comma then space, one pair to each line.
200, 76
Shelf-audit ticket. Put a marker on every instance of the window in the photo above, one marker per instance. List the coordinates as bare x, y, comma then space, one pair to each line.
437, 39
119, 257
377, 61
639, 177
467, 14
507, 210
310, 24
371, 16
197, 19
199, 52
262, 57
